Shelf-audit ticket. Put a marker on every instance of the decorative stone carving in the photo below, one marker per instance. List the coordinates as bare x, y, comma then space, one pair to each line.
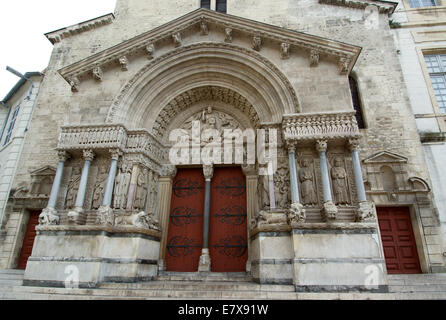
314, 58
88, 155
307, 183
284, 50
208, 171
353, 144
48, 217
150, 50
74, 215
124, 62
366, 211
256, 43
282, 184
74, 84
105, 216
263, 218
152, 192
296, 213
73, 187
140, 220
42, 181
339, 182
122, 183
168, 170
177, 39
63, 156
141, 190
98, 189
263, 192
98, 73
336, 125
204, 28
228, 35
321, 145
329, 211
249, 169
344, 65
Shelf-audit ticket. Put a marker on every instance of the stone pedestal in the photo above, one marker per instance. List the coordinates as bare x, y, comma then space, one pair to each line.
205, 261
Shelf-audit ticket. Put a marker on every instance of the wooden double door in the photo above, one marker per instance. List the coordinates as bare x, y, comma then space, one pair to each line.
228, 245
28, 241
398, 240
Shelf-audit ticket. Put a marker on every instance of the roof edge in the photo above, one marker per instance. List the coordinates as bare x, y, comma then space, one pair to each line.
18, 85
383, 6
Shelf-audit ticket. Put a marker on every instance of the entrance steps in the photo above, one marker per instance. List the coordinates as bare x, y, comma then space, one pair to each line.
179, 286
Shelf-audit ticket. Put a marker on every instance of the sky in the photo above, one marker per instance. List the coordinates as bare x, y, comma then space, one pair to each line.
23, 24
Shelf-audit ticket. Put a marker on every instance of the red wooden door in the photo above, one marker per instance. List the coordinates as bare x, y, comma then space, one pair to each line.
28, 242
398, 240
228, 226
185, 235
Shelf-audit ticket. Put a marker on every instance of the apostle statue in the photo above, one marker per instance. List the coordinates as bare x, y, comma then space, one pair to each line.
73, 186
98, 191
339, 182
307, 184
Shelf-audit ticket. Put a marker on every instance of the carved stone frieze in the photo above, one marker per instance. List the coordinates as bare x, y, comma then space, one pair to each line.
337, 125
264, 218
141, 219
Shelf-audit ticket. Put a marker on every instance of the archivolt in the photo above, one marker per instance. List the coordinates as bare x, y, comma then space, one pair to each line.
239, 69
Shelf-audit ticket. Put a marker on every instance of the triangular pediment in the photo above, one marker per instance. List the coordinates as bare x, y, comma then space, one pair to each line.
202, 21
44, 171
385, 157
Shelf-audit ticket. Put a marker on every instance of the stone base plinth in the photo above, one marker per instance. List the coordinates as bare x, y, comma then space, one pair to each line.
88, 256
205, 261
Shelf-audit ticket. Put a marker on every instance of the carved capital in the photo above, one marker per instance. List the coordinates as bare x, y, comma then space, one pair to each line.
314, 58
353, 144
74, 84
105, 216
208, 171
88, 155
98, 73
285, 50
124, 62
366, 212
204, 28
177, 39
249, 169
150, 49
228, 35
256, 43
115, 154
291, 146
296, 213
168, 170
63, 155
74, 215
321, 145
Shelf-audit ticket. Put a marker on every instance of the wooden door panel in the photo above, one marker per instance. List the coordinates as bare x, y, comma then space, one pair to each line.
185, 235
228, 225
28, 241
398, 240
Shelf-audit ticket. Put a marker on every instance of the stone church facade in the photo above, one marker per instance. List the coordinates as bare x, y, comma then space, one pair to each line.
345, 187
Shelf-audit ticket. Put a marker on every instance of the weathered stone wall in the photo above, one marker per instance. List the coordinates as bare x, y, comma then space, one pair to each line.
390, 123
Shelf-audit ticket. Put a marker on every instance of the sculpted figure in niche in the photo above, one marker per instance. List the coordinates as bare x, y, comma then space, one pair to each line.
141, 191
73, 186
98, 191
122, 183
307, 185
263, 192
281, 183
152, 192
339, 182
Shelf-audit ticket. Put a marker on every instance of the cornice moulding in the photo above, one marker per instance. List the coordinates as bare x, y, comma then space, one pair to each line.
387, 7
59, 35
325, 46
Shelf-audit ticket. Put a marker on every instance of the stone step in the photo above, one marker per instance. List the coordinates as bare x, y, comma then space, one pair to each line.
206, 286
10, 283
201, 276
12, 272
418, 288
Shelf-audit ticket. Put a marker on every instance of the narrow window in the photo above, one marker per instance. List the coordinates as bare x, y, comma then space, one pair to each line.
436, 65
356, 102
422, 3
205, 4
221, 6
11, 125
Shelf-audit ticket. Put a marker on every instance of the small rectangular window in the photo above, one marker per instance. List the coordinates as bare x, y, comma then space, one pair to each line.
11, 125
422, 3
221, 6
436, 65
205, 4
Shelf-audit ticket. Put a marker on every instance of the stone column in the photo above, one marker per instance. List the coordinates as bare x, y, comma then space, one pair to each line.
272, 197
205, 258
49, 215
366, 209
132, 188
74, 215
251, 203
165, 189
296, 213
329, 210
105, 212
